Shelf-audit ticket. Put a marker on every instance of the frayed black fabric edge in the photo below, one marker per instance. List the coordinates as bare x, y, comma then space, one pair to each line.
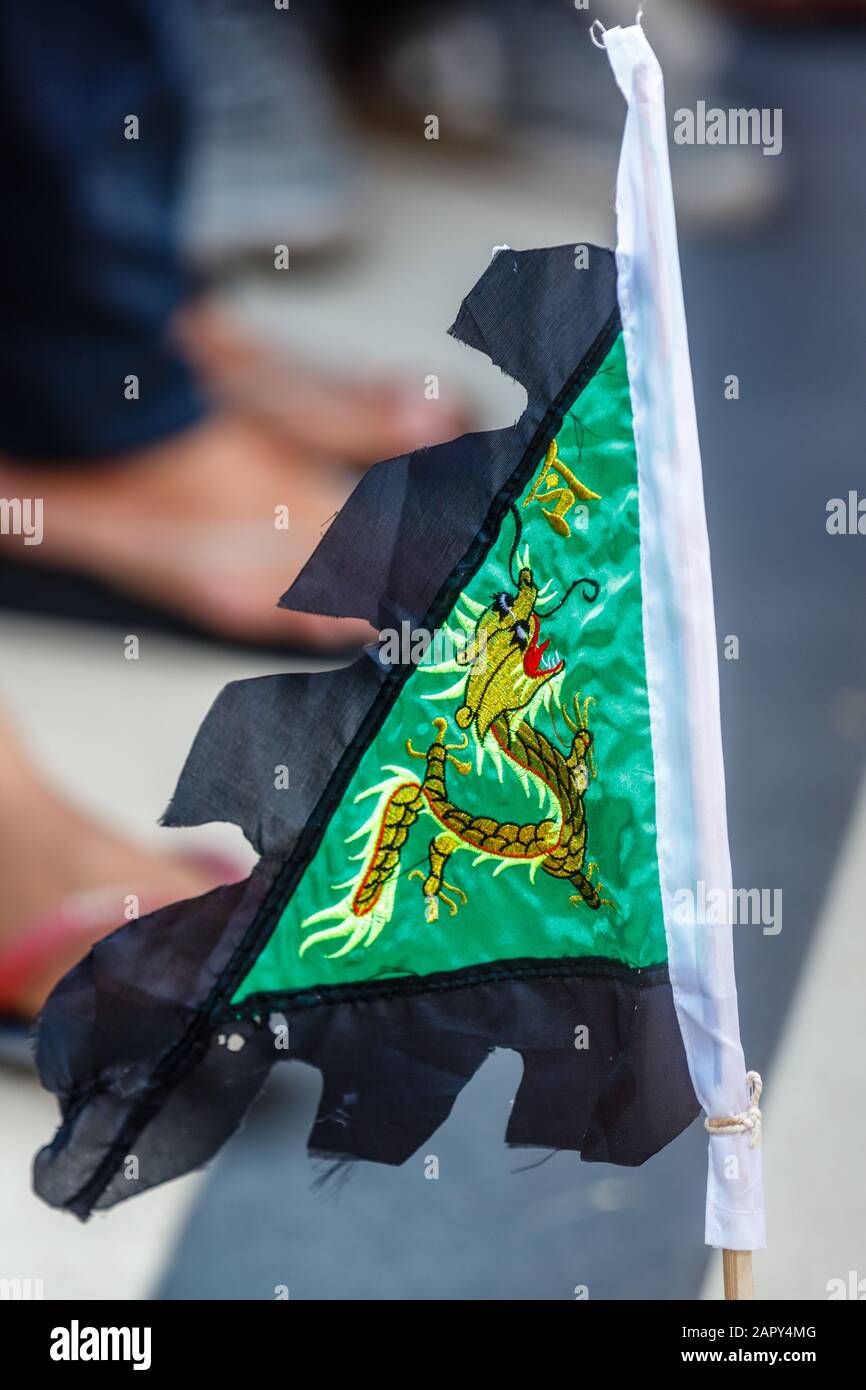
190, 1048
533, 315
393, 1068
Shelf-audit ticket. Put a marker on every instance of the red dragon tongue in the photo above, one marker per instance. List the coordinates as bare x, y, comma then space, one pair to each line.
533, 654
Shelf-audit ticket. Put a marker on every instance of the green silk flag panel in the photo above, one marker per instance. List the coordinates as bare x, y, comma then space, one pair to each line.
521, 823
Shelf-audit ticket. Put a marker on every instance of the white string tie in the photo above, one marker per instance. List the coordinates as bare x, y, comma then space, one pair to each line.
747, 1121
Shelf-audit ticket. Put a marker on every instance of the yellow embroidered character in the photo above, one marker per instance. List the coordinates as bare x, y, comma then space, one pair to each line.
563, 488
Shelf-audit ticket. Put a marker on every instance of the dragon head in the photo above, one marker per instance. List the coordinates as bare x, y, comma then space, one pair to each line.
505, 656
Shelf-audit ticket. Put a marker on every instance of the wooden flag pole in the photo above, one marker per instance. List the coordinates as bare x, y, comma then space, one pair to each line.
737, 1273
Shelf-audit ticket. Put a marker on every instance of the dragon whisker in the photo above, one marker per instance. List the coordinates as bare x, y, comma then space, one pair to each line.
575, 729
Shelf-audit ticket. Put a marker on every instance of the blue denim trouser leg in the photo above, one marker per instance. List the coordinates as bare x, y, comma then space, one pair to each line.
90, 272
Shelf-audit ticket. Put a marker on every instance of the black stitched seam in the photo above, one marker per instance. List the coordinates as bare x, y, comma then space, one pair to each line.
493, 972
183, 1054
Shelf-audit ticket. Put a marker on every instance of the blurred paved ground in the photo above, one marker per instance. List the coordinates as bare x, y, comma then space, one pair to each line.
779, 310
814, 1115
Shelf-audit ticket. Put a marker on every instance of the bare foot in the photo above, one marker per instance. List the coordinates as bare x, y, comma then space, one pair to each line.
358, 422
212, 524
50, 852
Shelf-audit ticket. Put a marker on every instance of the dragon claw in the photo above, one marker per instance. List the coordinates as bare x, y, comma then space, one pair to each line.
434, 893
452, 888
463, 768
431, 904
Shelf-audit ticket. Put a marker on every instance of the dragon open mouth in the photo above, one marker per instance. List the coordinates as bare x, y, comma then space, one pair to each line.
533, 665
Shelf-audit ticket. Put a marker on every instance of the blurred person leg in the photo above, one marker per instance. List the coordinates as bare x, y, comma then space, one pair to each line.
146, 486
68, 880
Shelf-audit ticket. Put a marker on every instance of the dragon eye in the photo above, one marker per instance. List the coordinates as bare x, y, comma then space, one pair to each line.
521, 635
502, 604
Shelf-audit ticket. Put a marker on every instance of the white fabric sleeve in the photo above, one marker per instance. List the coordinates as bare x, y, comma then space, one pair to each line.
680, 639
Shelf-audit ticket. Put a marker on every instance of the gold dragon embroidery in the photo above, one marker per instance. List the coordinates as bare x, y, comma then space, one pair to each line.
505, 683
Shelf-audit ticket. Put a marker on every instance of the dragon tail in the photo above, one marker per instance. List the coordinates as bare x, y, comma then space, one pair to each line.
367, 906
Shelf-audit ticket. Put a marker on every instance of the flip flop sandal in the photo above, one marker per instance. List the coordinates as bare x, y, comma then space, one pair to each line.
86, 916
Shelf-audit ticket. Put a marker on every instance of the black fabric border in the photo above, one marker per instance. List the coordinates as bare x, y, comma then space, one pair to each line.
487, 972
193, 1045
393, 1068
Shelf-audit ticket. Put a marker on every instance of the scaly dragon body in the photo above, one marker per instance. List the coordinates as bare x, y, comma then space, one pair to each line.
504, 686
556, 844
